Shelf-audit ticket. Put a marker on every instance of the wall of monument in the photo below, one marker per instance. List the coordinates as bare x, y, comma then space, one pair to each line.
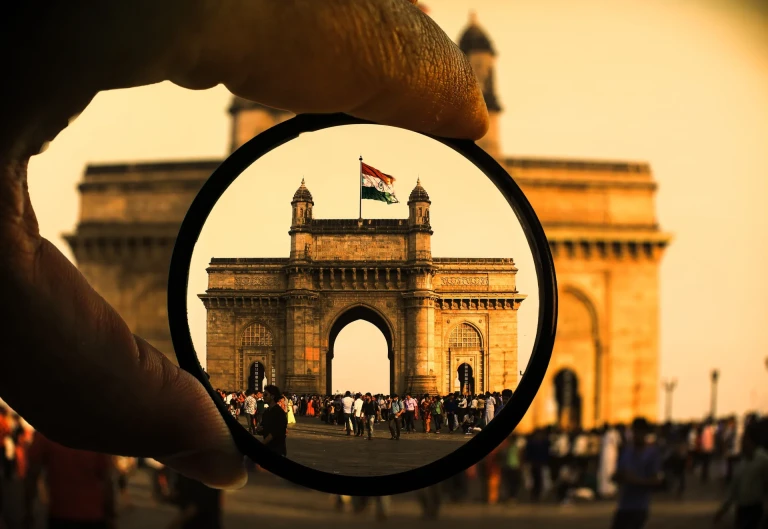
497, 367
599, 206
143, 193
225, 327
470, 281
240, 280
359, 247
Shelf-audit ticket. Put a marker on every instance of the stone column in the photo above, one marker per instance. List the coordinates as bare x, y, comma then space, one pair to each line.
302, 366
420, 346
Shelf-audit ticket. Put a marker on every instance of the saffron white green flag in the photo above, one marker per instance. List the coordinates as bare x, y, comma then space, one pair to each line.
377, 185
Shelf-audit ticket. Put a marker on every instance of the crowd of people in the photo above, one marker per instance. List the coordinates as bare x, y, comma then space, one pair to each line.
628, 463
358, 412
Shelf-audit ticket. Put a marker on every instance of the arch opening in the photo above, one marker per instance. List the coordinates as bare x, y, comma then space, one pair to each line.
360, 328
578, 338
465, 379
256, 354
465, 359
568, 400
257, 377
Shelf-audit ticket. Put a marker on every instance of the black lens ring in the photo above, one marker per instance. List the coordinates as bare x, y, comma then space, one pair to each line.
474, 450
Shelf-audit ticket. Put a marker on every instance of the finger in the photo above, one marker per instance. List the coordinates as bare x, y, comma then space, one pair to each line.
108, 390
382, 60
78, 339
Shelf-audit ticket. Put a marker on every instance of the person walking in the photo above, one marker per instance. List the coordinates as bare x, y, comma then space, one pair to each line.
274, 425
347, 404
638, 475
370, 408
250, 411
748, 489
396, 411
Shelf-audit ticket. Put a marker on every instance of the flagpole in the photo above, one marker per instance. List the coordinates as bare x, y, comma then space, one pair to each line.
360, 183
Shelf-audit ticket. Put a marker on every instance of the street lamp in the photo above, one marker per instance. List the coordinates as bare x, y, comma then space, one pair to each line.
715, 375
669, 387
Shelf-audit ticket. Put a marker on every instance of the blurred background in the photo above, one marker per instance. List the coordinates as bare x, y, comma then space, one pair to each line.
636, 129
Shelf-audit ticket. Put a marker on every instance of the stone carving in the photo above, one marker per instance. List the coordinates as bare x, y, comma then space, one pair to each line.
257, 281
464, 281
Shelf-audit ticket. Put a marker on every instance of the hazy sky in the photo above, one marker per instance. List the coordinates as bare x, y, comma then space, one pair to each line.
680, 84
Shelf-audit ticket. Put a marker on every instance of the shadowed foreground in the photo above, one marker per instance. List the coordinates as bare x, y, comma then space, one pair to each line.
277, 504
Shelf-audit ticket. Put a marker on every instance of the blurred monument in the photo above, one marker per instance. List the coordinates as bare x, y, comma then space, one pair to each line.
599, 217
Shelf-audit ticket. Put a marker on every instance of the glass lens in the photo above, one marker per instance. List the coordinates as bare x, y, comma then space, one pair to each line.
372, 285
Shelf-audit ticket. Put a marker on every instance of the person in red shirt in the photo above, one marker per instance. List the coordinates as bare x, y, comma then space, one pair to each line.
80, 485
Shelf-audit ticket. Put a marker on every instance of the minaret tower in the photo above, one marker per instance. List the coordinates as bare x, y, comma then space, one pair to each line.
478, 48
421, 360
420, 236
302, 340
250, 119
301, 220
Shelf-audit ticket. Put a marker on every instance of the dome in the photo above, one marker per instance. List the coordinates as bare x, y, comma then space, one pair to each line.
302, 194
419, 194
474, 39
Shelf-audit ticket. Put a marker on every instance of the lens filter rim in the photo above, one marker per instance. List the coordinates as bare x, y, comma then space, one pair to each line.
470, 453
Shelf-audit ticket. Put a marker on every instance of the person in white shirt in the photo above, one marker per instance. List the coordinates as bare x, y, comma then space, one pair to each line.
358, 411
490, 404
347, 404
462, 411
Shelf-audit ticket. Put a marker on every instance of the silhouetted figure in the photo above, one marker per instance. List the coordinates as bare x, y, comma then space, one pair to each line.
80, 485
199, 505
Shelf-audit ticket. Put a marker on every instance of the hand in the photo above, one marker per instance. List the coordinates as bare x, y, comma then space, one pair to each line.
382, 60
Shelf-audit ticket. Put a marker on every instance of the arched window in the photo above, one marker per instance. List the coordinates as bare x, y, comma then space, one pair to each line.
464, 336
256, 335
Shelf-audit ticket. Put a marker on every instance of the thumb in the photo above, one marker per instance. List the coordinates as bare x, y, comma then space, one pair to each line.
114, 393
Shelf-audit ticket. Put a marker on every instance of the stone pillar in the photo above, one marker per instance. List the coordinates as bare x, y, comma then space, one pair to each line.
302, 347
420, 345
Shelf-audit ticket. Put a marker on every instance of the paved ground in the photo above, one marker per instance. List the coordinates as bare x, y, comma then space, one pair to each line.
328, 448
272, 503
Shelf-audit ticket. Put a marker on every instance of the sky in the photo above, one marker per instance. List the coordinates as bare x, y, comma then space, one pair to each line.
680, 84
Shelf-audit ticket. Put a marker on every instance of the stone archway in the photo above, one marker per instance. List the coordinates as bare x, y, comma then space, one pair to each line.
352, 314
465, 346
256, 347
578, 345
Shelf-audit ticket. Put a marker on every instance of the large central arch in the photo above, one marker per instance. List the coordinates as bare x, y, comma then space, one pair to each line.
351, 314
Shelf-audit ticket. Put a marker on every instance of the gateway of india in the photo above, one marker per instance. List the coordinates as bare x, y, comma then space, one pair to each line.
277, 319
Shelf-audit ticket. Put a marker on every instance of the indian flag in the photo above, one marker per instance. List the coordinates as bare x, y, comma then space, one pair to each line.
377, 185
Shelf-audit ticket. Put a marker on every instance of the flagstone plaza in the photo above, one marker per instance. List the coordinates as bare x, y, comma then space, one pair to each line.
274, 503
328, 448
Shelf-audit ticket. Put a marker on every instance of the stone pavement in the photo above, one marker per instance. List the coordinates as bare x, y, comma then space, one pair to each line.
328, 448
